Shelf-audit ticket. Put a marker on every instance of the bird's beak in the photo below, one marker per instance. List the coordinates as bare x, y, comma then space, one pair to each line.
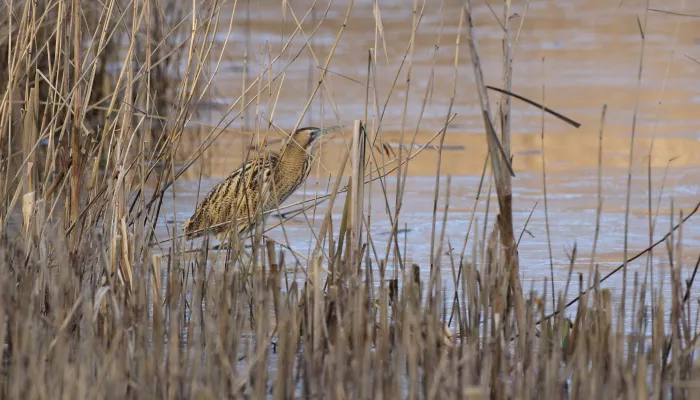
325, 131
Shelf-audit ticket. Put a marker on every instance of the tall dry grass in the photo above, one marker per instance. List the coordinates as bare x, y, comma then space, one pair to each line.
96, 102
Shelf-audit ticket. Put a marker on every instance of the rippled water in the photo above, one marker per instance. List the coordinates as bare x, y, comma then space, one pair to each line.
582, 54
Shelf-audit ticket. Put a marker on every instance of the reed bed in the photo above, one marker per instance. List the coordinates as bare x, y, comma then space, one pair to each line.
96, 101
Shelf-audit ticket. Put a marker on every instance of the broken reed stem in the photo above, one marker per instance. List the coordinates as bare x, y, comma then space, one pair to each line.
502, 177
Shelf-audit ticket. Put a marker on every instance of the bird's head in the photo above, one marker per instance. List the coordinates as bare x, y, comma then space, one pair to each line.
309, 137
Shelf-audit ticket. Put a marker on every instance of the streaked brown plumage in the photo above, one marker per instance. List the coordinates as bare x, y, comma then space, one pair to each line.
258, 186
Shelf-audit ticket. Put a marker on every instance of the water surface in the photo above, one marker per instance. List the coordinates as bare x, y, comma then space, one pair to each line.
578, 56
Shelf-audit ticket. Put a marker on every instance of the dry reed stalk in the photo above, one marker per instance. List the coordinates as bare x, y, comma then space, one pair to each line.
642, 29
29, 137
649, 273
357, 196
433, 256
500, 164
544, 192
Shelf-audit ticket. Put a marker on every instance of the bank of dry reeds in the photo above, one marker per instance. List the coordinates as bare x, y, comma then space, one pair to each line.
96, 97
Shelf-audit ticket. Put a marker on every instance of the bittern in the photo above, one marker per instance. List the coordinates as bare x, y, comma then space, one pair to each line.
256, 187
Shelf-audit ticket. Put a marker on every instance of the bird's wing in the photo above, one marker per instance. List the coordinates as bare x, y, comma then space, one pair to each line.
255, 183
244, 194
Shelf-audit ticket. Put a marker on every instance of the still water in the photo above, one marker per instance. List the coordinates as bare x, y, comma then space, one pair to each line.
575, 56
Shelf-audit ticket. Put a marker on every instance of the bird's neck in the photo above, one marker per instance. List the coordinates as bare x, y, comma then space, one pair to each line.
293, 163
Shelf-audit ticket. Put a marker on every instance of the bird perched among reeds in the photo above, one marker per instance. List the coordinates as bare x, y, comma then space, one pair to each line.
256, 187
